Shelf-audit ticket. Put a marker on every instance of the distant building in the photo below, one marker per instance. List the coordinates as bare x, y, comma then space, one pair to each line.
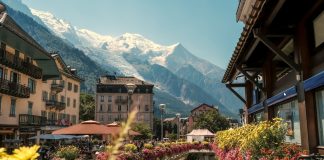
196, 112
112, 100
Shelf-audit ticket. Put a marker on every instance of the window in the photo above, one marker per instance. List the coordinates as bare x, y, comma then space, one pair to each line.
147, 108
109, 117
139, 107
62, 83
30, 108
109, 107
73, 119
43, 113
290, 115
68, 102
76, 88
119, 107
102, 98
5, 74
69, 86
119, 98
14, 77
119, 117
62, 99
1, 73
101, 118
44, 96
320, 115
32, 85
0, 103
318, 24
74, 103
13, 108
100, 109
109, 98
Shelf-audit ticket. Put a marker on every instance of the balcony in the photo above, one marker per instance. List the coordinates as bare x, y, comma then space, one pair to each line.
31, 120
21, 65
53, 104
122, 101
14, 89
60, 122
57, 87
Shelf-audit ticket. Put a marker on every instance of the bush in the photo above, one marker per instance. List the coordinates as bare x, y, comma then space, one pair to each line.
148, 146
130, 148
68, 152
263, 140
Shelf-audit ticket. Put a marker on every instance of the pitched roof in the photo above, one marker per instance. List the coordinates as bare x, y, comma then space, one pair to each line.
66, 70
200, 132
247, 29
204, 104
122, 80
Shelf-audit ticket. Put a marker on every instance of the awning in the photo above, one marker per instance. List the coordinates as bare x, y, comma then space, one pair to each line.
255, 108
282, 96
314, 82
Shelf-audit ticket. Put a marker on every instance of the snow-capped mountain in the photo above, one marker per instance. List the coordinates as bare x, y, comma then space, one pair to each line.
106, 49
181, 79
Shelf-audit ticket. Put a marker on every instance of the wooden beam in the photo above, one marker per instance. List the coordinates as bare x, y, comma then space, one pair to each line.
235, 93
249, 77
275, 50
236, 84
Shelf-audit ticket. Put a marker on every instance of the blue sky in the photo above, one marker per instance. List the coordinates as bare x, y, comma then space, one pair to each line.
207, 28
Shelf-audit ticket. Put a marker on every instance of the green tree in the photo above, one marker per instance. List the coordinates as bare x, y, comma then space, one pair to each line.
144, 129
212, 121
87, 107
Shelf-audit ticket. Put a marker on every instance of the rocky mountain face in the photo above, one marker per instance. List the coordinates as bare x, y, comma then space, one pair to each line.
181, 79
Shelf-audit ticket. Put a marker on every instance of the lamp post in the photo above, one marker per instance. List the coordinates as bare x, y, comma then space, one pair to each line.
130, 90
178, 126
162, 108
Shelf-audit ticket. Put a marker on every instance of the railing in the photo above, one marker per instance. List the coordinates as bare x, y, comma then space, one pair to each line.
17, 63
121, 101
60, 122
57, 87
14, 89
31, 120
55, 104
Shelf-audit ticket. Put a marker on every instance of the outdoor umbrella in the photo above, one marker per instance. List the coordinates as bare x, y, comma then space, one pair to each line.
86, 127
52, 136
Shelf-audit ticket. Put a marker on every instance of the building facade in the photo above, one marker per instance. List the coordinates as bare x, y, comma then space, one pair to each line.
25, 70
194, 113
280, 54
114, 101
61, 98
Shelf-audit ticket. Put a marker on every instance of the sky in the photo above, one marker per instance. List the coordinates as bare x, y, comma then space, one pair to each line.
207, 28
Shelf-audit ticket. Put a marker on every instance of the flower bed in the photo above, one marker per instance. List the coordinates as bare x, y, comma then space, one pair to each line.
257, 141
163, 150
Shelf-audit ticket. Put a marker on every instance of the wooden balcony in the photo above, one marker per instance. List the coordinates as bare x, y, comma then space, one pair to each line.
31, 120
53, 104
19, 64
14, 89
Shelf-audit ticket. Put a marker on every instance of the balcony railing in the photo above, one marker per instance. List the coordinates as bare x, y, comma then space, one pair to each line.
57, 87
60, 122
122, 101
31, 120
53, 104
19, 64
14, 89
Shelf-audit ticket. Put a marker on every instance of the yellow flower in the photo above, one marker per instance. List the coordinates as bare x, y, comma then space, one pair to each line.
3, 152
26, 153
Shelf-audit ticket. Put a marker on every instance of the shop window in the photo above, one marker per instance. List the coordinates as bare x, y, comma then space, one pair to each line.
318, 24
320, 115
290, 115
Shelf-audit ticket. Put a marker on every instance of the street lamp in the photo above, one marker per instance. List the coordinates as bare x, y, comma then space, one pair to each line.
130, 90
162, 108
178, 126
